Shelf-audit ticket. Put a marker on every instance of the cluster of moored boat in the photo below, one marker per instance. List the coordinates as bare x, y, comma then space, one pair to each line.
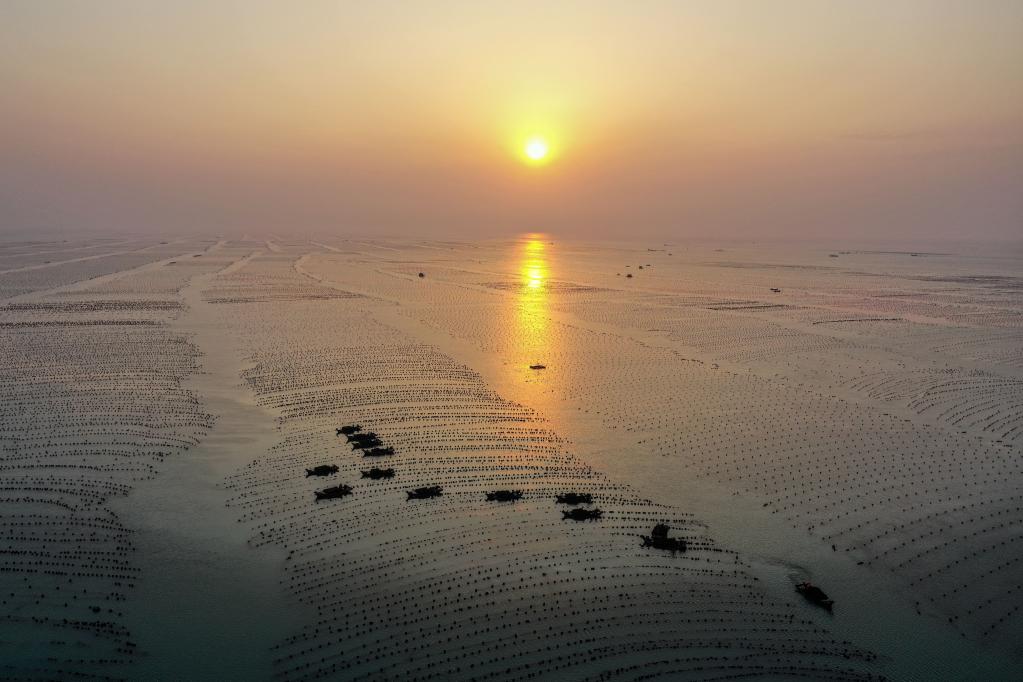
371, 446
367, 441
577, 514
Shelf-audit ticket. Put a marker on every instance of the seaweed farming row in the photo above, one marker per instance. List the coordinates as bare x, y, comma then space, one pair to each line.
463, 564
93, 402
871, 435
485, 461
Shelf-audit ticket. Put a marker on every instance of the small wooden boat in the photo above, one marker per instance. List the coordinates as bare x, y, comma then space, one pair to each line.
424, 493
504, 496
575, 498
321, 470
333, 493
579, 514
670, 544
814, 594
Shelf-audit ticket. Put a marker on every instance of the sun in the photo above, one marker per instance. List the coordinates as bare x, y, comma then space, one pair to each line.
536, 149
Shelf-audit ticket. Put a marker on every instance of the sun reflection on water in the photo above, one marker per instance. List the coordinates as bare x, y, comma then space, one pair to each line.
533, 303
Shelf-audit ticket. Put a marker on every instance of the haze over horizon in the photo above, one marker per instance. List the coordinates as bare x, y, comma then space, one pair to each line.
460, 341
669, 120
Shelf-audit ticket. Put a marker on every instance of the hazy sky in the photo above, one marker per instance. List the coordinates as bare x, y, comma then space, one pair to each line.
764, 118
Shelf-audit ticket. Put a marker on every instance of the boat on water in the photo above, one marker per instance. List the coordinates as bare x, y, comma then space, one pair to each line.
321, 470
579, 514
658, 539
504, 496
356, 437
333, 493
424, 493
669, 544
814, 594
575, 498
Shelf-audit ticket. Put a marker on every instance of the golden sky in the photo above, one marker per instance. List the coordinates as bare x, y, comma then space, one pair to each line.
898, 118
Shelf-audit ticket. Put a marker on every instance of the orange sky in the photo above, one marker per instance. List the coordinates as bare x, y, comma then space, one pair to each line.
764, 119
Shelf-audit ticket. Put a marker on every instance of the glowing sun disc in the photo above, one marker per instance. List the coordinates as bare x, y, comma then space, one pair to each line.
536, 149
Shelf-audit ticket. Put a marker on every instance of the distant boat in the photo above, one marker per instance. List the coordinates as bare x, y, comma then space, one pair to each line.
504, 496
814, 594
579, 514
321, 470
364, 441
424, 493
538, 367
658, 539
333, 493
670, 544
376, 473
575, 498
359, 436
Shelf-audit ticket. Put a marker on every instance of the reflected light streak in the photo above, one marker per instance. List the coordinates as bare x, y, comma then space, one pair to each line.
532, 301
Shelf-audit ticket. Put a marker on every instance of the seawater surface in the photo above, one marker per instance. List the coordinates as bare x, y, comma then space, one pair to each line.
792, 412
